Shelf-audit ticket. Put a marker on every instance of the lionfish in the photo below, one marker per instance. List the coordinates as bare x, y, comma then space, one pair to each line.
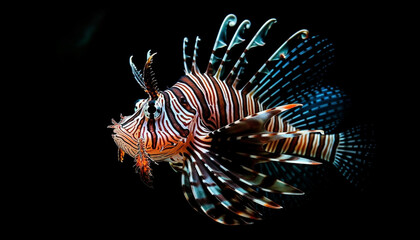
216, 127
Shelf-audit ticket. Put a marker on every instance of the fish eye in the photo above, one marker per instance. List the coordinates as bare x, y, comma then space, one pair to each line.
183, 101
152, 109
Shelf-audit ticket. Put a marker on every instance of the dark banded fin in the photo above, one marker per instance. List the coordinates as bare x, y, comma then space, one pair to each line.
194, 68
253, 124
268, 137
252, 149
239, 146
227, 198
236, 40
285, 158
210, 188
186, 189
267, 183
220, 43
220, 178
221, 174
224, 176
234, 76
208, 205
307, 178
258, 180
247, 139
185, 56
312, 146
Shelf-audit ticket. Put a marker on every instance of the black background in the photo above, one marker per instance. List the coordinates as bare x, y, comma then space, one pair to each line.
84, 191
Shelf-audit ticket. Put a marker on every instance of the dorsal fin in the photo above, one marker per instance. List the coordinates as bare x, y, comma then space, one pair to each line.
257, 41
194, 68
219, 57
185, 56
230, 20
281, 53
237, 39
297, 65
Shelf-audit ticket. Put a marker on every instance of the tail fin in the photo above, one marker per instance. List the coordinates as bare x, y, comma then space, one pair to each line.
355, 153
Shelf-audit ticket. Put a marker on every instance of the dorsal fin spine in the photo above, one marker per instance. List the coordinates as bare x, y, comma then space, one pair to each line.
194, 67
257, 41
185, 56
279, 54
230, 20
237, 39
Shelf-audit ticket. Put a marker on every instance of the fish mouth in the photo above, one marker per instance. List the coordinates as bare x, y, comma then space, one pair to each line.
162, 153
133, 146
129, 148
124, 141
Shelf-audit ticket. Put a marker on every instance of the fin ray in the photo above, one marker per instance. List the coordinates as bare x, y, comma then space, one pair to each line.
229, 202
286, 72
211, 208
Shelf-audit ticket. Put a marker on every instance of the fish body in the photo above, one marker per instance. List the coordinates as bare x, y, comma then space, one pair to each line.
215, 127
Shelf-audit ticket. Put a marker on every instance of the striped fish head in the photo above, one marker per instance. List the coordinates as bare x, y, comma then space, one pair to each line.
160, 139
126, 132
159, 128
